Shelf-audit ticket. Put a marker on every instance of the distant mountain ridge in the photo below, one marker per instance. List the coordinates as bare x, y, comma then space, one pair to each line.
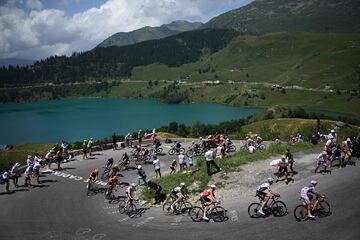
149, 33
5, 62
265, 16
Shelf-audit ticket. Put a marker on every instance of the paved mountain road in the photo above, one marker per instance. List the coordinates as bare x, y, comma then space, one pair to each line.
60, 209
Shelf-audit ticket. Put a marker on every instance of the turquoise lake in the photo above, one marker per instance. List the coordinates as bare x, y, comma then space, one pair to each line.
73, 120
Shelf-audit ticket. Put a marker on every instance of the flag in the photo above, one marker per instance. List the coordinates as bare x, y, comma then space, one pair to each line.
275, 163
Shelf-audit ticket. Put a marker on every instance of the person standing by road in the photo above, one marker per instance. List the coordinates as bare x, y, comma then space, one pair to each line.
181, 161
156, 164
27, 174
140, 136
15, 174
209, 157
5, 179
84, 147
114, 141
48, 159
173, 167
290, 158
141, 175
29, 161
59, 156
89, 146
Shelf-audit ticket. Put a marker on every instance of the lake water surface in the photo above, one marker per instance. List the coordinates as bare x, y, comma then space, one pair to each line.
74, 120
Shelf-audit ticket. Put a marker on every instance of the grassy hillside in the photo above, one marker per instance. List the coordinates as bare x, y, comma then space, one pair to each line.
304, 59
19, 153
284, 127
264, 16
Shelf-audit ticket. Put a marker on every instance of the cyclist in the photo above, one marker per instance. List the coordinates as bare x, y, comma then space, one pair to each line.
307, 193
322, 159
125, 159
177, 146
111, 183
264, 193
114, 170
258, 139
93, 177
208, 197
109, 163
130, 194
177, 194
283, 170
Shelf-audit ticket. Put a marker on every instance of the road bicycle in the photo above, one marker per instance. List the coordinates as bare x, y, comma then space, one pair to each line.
130, 210
176, 151
276, 208
320, 208
215, 212
182, 207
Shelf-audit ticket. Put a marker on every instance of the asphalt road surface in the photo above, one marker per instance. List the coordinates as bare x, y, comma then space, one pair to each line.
60, 209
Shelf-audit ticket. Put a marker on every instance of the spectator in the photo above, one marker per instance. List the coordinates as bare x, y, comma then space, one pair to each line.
59, 157
173, 167
36, 171
5, 179
156, 164
159, 196
181, 161
141, 175
209, 157
114, 141
89, 146
219, 152
27, 173
48, 158
191, 161
140, 136
29, 160
84, 146
15, 174
251, 148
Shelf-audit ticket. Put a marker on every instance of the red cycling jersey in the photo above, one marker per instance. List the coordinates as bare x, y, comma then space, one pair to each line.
207, 193
94, 175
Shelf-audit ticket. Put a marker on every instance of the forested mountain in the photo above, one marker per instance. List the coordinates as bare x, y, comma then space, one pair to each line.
118, 62
265, 16
149, 33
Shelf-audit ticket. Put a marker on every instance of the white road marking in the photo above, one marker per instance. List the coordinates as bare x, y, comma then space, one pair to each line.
234, 216
139, 224
177, 221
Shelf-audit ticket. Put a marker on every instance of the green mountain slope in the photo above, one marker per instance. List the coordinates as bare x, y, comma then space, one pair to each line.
309, 60
117, 62
264, 16
149, 33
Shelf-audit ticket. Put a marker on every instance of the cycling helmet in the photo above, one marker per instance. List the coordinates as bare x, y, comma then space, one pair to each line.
182, 184
91, 138
133, 185
270, 180
139, 167
283, 157
212, 186
115, 166
192, 141
96, 170
256, 135
332, 130
200, 138
313, 182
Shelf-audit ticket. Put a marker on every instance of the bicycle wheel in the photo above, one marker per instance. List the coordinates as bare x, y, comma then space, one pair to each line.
218, 214
262, 146
122, 206
279, 209
181, 150
131, 210
196, 214
189, 152
185, 208
159, 150
301, 213
253, 210
171, 152
323, 209
232, 148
